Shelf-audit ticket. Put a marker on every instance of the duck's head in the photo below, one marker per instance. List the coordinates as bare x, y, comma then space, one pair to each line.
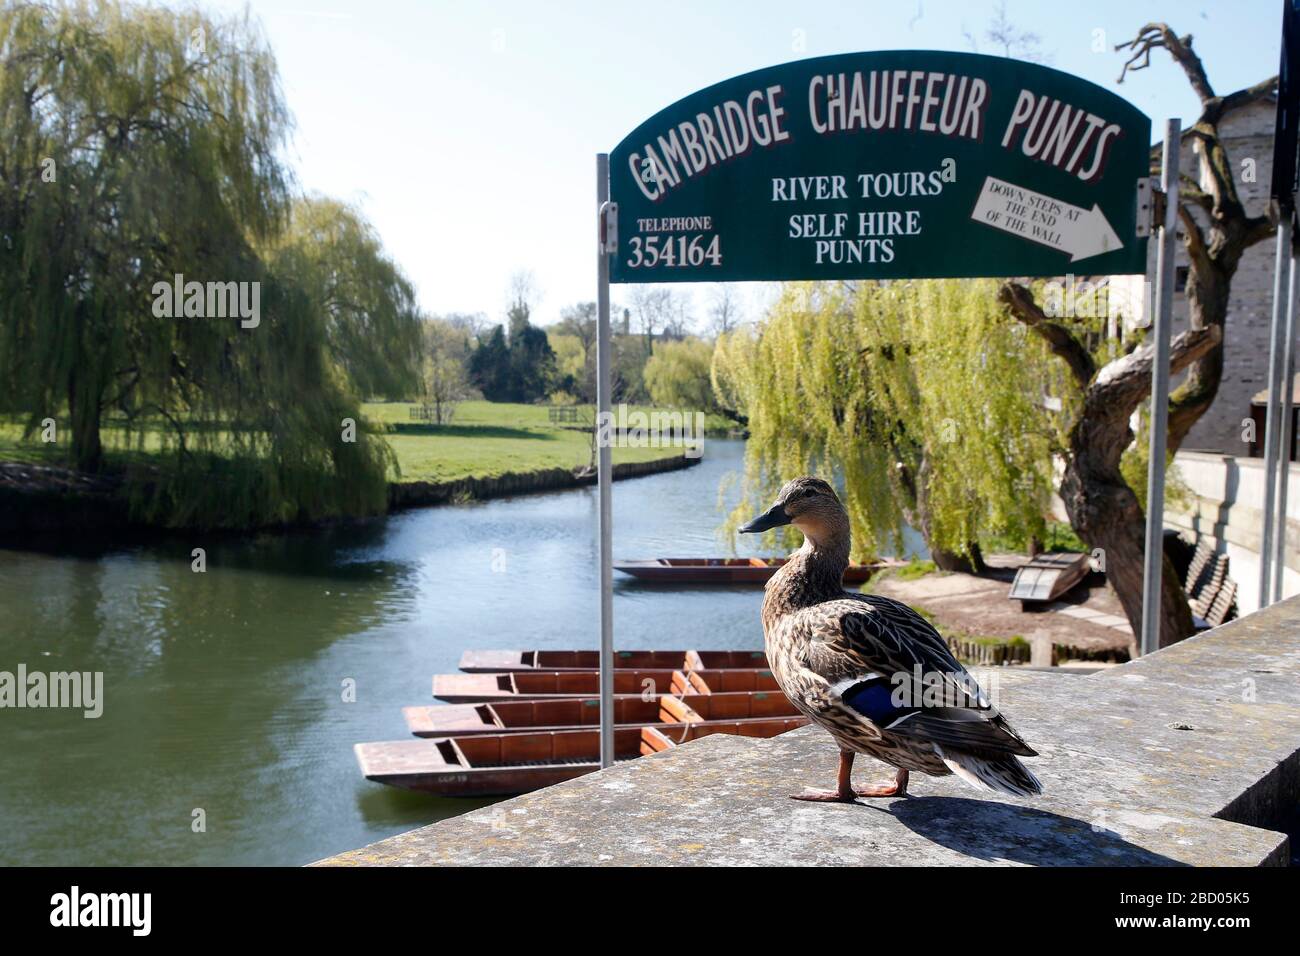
808, 503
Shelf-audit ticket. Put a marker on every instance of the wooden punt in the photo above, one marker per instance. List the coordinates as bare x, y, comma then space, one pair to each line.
1048, 576
575, 713
480, 688
726, 570
492, 765
500, 661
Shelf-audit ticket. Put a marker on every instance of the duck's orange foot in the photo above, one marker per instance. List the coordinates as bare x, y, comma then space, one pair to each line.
845, 792
896, 789
825, 796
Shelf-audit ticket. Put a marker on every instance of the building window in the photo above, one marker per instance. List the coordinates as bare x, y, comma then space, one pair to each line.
1180, 279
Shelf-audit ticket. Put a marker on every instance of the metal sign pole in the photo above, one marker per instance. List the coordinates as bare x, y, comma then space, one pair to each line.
1153, 565
1286, 438
605, 467
1272, 421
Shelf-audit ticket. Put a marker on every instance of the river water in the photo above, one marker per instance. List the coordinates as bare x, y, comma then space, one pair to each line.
225, 736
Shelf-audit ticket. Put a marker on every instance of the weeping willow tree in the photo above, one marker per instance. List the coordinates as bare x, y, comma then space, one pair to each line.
919, 395
137, 145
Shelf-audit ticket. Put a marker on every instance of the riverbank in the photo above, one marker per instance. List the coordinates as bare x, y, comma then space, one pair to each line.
489, 450
40, 500
416, 494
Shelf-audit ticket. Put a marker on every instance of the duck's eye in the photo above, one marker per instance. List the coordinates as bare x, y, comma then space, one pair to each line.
808, 493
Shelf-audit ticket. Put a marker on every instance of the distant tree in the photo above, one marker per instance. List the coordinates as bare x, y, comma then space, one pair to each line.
652, 310
532, 364
677, 376
724, 309
444, 367
627, 377
521, 368
523, 293
489, 366
1004, 34
473, 324
579, 322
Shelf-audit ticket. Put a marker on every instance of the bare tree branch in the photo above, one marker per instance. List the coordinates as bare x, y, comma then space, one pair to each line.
1220, 235
1159, 35
1020, 302
1123, 384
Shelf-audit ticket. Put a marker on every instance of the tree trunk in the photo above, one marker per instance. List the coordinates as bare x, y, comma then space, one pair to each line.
84, 407
1207, 304
1103, 509
1105, 513
970, 563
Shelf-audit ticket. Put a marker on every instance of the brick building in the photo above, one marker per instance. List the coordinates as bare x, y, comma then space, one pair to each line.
1248, 139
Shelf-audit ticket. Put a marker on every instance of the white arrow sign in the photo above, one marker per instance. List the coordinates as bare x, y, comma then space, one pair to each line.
1022, 212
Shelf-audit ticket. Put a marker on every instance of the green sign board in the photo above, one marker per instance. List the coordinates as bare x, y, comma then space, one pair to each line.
899, 164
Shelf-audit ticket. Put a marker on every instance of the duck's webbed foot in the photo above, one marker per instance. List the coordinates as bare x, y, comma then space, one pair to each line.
845, 792
896, 789
824, 796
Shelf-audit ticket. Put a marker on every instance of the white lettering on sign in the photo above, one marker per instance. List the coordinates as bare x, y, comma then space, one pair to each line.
864, 235
898, 99
692, 147
1060, 135
1022, 212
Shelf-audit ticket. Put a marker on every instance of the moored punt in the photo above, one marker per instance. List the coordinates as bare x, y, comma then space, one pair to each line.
489, 765
727, 570
1046, 577
476, 688
574, 713
502, 661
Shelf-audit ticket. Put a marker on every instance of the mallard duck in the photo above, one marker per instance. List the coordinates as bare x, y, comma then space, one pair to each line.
871, 671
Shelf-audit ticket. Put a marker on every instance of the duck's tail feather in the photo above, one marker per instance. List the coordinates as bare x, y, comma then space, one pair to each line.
1004, 774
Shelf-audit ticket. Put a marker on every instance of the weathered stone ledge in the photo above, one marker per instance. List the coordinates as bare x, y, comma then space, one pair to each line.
1186, 757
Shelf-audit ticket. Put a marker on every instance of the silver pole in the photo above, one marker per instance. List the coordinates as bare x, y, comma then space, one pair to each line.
605, 473
1284, 450
1153, 564
1272, 421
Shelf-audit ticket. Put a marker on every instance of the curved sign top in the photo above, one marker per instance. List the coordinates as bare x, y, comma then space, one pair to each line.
888, 165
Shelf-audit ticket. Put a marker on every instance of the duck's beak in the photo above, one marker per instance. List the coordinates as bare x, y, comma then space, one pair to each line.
773, 517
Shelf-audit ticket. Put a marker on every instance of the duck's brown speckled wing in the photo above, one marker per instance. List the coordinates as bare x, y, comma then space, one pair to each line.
865, 636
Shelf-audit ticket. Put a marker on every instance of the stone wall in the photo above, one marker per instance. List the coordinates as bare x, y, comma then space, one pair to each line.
1189, 756
1226, 504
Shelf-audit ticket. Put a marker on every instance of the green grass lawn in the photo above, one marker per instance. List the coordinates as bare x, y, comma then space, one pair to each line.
489, 438
484, 439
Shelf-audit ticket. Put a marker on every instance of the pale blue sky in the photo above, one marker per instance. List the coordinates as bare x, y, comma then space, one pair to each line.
467, 131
